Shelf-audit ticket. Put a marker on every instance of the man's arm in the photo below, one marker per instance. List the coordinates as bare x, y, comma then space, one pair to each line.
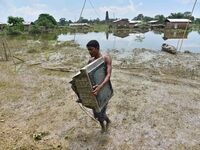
108, 62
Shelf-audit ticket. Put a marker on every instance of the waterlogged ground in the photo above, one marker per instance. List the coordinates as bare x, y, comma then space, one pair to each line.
156, 102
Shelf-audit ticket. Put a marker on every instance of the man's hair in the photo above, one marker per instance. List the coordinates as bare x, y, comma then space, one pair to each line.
93, 43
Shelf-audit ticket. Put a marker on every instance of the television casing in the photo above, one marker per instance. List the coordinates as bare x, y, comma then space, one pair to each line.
89, 76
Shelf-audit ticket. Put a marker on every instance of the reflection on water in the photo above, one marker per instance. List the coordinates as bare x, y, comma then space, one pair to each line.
121, 33
48, 37
175, 34
124, 41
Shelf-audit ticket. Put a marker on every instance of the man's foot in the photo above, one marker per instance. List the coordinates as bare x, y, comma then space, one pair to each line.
103, 128
107, 124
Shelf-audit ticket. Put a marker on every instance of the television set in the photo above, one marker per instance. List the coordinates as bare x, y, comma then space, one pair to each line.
84, 81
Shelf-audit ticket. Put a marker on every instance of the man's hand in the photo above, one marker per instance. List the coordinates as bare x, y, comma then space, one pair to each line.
96, 89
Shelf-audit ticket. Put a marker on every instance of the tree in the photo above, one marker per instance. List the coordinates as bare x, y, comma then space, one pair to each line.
69, 21
160, 18
46, 20
186, 15
197, 21
176, 15
35, 29
146, 19
139, 17
83, 20
15, 20
62, 21
97, 20
17, 25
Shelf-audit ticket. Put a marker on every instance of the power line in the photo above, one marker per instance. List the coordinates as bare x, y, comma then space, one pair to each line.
187, 24
82, 10
94, 9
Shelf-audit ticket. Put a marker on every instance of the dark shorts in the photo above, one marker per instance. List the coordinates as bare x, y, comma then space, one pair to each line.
101, 116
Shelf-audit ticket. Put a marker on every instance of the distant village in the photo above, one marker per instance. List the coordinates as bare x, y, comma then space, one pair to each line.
174, 21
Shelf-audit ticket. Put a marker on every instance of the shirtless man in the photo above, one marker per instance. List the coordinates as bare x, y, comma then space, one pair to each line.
94, 51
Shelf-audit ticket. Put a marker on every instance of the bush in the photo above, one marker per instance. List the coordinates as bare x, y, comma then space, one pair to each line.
35, 30
15, 29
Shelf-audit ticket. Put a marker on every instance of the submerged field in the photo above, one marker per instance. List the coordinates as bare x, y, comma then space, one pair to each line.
156, 102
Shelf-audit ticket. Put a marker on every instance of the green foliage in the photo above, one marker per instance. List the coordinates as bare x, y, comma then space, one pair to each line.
17, 25
62, 22
15, 29
35, 29
160, 18
46, 20
179, 15
139, 17
83, 20
15, 20
176, 15
197, 21
146, 18
143, 18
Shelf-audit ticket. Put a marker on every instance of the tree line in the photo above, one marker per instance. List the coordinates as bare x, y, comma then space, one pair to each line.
47, 22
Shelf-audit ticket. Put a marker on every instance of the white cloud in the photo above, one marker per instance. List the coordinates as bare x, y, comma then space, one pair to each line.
187, 1
29, 12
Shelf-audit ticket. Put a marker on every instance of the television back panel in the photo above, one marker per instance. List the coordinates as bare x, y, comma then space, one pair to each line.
89, 76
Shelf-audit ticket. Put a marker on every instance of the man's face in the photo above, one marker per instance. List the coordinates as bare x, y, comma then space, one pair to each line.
93, 51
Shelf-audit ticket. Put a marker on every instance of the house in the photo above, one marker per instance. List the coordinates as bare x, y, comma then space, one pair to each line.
155, 24
177, 23
27, 26
134, 23
80, 25
2, 26
121, 23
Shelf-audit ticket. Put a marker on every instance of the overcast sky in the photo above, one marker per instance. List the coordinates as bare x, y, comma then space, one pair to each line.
70, 9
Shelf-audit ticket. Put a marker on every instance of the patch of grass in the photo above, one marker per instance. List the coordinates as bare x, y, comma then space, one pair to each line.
38, 136
10, 84
3, 84
53, 73
33, 50
14, 95
66, 44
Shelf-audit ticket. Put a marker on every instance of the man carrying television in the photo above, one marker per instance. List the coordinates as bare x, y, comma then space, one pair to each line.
94, 51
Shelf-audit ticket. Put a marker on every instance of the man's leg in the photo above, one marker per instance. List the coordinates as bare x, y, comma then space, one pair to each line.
100, 118
107, 123
105, 118
103, 128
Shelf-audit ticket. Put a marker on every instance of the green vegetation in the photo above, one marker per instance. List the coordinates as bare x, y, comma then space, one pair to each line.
16, 25
186, 15
47, 24
46, 20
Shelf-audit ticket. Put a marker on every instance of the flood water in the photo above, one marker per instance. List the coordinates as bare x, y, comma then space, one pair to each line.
128, 41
